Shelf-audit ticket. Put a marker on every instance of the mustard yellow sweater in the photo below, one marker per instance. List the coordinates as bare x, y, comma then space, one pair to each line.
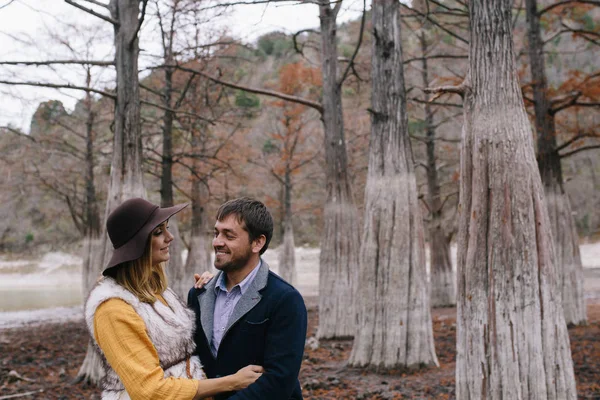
121, 333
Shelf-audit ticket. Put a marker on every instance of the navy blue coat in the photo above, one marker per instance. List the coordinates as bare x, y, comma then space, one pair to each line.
267, 327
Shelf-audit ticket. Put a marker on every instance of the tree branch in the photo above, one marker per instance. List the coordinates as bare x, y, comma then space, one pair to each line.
271, 93
295, 39
92, 12
435, 103
149, 89
422, 198
63, 86
188, 84
435, 23
177, 111
422, 165
98, 3
565, 2
62, 62
570, 153
7, 4
446, 199
141, 21
441, 90
360, 38
573, 140
450, 56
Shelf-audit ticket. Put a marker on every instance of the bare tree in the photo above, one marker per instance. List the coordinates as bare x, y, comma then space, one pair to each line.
340, 238
179, 276
566, 239
338, 262
512, 340
394, 322
126, 169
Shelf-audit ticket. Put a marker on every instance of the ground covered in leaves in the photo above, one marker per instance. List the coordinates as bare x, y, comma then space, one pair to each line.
43, 361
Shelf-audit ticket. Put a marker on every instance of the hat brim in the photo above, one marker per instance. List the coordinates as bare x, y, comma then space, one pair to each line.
134, 248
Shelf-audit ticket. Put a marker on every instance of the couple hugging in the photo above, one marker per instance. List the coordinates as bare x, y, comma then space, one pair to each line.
241, 335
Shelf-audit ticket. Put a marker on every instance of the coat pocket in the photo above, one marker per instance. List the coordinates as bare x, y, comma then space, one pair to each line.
254, 327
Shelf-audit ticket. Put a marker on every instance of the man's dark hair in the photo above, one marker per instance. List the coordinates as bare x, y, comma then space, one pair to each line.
252, 215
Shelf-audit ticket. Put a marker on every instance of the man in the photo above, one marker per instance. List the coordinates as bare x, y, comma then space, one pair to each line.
247, 314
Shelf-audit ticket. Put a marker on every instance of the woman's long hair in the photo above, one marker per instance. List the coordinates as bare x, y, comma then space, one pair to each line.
141, 277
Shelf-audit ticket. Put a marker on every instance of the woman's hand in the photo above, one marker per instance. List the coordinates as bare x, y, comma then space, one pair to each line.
246, 376
201, 280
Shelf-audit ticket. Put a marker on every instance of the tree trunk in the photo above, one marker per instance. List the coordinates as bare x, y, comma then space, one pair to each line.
198, 259
340, 237
566, 241
126, 168
287, 259
512, 340
90, 371
443, 292
180, 278
394, 322
92, 215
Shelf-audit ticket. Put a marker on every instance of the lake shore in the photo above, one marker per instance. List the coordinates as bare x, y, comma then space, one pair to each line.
45, 359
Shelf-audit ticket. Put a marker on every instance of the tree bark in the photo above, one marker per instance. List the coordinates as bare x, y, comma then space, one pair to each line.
91, 206
126, 168
287, 259
180, 278
512, 340
90, 372
394, 323
443, 292
340, 236
566, 240
198, 258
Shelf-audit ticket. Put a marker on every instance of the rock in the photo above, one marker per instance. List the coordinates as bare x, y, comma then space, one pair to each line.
312, 342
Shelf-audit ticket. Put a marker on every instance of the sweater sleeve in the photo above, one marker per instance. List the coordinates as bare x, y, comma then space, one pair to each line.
121, 333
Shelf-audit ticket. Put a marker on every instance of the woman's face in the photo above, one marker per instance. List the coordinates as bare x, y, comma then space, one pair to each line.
161, 240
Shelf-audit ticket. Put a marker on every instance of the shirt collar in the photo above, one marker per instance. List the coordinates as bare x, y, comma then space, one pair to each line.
243, 285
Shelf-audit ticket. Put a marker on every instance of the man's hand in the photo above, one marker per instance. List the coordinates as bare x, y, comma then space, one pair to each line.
201, 280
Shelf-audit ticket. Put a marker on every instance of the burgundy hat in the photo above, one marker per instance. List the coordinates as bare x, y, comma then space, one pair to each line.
130, 225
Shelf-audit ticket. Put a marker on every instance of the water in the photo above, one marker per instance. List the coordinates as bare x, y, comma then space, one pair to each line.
49, 282
55, 279
34, 298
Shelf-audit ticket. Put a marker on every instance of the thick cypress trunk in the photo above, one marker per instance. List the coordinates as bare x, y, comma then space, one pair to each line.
394, 322
287, 259
443, 292
512, 341
340, 237
566, 241
126, 168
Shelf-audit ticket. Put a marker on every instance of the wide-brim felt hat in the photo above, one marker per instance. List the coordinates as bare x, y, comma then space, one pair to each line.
129, 227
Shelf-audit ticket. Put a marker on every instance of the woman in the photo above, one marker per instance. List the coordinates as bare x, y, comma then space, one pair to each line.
142, 330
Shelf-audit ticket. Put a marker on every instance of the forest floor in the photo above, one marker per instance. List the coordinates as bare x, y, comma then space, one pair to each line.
44, 359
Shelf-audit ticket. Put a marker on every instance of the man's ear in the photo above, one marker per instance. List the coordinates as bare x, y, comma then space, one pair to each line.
258, 243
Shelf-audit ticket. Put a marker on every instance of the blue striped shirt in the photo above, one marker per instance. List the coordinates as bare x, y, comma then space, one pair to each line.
225, 303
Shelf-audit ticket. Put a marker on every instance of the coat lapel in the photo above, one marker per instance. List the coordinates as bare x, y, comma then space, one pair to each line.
207, 307
252, 296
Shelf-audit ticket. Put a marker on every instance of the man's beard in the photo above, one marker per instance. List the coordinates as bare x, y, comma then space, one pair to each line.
235, 263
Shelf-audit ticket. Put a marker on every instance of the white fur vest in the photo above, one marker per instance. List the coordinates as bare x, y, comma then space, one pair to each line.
170, 329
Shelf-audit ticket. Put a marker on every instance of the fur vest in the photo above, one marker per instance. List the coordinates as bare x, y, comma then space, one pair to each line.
171, 330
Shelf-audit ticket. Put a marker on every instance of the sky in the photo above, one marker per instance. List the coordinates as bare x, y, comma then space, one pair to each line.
29, 30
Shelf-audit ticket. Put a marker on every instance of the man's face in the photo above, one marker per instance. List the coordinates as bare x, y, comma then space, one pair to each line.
232, 245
